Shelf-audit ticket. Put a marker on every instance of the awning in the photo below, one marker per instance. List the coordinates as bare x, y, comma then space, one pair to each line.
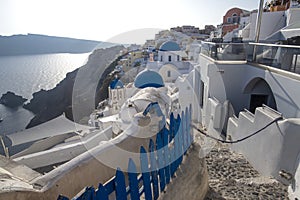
58, 126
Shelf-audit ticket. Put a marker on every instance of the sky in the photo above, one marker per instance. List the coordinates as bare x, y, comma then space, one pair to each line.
110, 20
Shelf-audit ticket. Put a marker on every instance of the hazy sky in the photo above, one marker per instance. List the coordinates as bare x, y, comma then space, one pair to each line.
103, 19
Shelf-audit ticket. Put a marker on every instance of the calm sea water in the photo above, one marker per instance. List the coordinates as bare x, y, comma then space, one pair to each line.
25, 75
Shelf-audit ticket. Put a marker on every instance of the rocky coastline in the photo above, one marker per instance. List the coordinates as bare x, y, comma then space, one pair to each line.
82, 88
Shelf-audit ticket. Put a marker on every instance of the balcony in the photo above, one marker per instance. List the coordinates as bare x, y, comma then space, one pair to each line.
273, 56
284, 57
224, 51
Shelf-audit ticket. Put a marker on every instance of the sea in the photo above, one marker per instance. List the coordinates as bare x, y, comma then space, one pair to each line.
27, 74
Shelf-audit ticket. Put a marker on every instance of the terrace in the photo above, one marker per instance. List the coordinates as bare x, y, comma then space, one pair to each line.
272, 56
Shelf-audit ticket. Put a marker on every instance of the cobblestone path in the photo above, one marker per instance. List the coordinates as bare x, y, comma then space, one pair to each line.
232, 177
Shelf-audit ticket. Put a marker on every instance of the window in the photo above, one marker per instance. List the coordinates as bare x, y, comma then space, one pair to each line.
169, 73
161, 58
178, 58
170, 58
235, 18
229, 20
201, 94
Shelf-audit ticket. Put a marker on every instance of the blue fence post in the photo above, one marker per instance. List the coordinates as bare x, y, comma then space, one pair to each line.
172, 127
153, 169
174, 153
89, 194
183, 124
145, 173
179, 147
190, 123
166, 155
178, 121
101, 193
188, 134
133, 181
120, 185
160, 158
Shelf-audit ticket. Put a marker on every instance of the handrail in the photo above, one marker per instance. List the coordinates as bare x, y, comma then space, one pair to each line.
274, 45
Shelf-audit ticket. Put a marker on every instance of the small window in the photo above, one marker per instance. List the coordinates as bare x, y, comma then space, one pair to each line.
170, 58
169, 73
178, 58
229, 20
201, 94
161, 58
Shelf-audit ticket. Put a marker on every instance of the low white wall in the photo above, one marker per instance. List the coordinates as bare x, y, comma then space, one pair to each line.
272, 150
90, 168
65, 152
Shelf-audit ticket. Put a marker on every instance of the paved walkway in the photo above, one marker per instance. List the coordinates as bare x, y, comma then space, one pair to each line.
232, 177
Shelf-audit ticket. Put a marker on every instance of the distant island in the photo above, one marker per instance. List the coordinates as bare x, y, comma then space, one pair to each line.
42, 44
12, 100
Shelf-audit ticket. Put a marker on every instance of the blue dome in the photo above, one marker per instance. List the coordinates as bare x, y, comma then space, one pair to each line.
169, 46
116, 84
148, 78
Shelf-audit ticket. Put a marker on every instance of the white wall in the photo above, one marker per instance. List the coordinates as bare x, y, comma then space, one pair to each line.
271, 22
186, 95
167, 70
293, 15
274, 149
165, 56
228, 81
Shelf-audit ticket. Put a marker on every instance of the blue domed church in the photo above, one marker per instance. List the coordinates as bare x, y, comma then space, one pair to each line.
148, 78
117, 95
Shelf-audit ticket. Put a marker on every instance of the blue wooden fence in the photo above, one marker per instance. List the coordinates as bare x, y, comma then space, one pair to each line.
158, 165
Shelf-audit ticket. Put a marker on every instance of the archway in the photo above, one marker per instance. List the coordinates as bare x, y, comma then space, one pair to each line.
260, 93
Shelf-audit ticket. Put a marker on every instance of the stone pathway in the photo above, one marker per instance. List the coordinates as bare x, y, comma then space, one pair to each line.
232, 177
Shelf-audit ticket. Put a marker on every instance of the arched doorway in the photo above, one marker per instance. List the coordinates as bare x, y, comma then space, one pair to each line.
260, 93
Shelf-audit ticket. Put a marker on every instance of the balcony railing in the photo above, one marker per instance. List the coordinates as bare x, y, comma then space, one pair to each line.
284, 57
224, 51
